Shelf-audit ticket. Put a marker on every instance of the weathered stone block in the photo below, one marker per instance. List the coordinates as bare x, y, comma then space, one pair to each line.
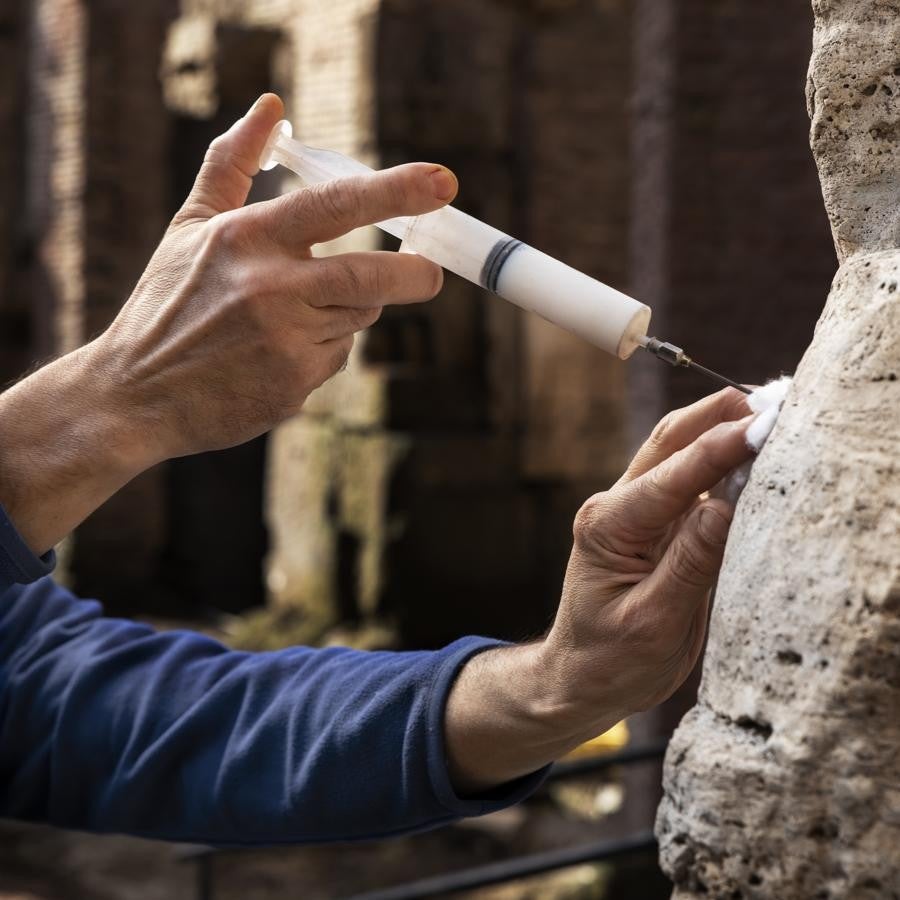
781, 783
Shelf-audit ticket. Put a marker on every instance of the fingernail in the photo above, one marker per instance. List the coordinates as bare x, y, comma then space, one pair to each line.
713, 525
443, 183
256, 103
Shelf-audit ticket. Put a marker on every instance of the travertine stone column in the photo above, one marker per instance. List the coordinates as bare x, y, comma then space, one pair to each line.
784, 781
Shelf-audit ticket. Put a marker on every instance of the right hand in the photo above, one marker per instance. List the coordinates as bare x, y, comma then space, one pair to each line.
234, 322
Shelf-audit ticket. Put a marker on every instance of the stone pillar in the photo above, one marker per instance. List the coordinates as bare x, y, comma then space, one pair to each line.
784, 781
56, 149
329, 468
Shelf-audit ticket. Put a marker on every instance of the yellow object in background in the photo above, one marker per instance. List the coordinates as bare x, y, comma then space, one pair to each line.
615, 739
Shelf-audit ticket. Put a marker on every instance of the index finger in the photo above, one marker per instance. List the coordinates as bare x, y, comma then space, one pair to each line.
642, 509
324, 212
683, 426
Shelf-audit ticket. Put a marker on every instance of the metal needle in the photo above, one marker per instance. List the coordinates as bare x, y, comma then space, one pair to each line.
675, 356
716, 376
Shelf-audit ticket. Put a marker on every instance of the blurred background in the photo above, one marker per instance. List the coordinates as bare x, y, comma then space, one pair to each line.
427, 492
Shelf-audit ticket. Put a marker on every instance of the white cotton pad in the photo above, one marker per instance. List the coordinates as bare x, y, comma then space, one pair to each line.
767, 402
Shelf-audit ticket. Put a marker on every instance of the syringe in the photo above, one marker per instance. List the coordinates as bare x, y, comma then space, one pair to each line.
526, 277
530, 279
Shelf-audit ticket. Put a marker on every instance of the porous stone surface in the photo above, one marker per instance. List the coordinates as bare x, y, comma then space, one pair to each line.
852, 98
784, 781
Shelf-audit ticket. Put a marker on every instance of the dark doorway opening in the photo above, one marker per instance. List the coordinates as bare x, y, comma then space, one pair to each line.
217, 539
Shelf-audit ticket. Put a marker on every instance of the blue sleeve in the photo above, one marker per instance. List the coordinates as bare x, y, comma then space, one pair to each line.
18, 565
108, 725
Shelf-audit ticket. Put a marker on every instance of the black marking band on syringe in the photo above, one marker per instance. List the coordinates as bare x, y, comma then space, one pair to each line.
496, 260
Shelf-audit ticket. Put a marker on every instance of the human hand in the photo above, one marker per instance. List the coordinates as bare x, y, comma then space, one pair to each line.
229, 329
633, 614
646, 554
234, 322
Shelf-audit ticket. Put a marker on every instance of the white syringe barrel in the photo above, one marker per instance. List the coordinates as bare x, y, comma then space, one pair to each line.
530, 279
474, 250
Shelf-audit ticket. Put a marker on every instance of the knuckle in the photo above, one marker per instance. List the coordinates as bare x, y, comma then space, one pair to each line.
663, 428
350, 282
367, 317
378, 282
690, 564
337, 202
226, 232
217, 148
589, 519
217, 152
707, 447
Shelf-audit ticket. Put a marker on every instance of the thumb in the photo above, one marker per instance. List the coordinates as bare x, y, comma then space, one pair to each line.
692, 560
231, 162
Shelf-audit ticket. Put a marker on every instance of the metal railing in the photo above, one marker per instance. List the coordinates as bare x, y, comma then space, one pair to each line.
491, 873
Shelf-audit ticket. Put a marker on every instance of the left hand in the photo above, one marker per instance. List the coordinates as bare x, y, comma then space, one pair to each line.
634, 606
646, 554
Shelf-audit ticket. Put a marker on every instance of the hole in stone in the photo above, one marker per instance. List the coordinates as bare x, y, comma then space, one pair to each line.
755, 879
789, 657
761, 729
870, 89
826, 829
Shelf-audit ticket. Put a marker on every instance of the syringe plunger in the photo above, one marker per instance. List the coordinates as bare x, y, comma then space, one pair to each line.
517, 272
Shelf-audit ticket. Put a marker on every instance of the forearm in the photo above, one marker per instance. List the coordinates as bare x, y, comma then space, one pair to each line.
509, 714
110, 726
67, 443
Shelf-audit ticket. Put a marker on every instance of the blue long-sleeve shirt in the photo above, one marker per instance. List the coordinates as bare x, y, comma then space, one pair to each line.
108, 725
